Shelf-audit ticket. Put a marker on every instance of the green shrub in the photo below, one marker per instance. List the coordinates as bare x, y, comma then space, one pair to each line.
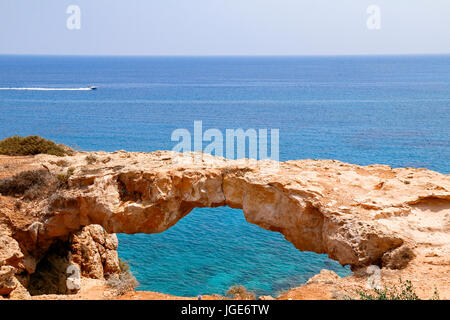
31, 145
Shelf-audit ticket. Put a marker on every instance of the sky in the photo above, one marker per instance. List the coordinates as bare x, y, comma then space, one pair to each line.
225, 27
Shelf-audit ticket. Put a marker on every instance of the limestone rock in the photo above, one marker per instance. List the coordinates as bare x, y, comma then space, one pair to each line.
111, 263
10, 253
19, 292
324, 206
324, 277
358, 215
7, 280
94, 250
73, 281
266, 298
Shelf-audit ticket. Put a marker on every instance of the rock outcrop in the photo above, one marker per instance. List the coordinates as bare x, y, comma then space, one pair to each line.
7, 280
95, 251
358, 215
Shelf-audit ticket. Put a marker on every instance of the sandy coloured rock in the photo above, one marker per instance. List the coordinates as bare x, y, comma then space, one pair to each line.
7, 280
354, 214
358, 215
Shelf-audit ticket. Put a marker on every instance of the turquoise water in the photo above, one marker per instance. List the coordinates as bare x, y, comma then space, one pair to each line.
212, 249
363, 110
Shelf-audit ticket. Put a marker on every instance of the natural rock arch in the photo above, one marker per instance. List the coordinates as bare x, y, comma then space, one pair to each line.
324, 206
357, 215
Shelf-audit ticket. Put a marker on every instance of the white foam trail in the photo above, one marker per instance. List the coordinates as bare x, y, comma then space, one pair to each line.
49, 89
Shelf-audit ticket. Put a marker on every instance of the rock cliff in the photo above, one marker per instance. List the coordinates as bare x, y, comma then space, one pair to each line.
358, 215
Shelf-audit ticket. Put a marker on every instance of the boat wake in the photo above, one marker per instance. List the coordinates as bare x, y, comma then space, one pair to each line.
51, 89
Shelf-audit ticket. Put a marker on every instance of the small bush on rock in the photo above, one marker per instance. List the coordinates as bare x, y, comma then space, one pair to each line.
34, 184
90, 159
63, 178
404, 291
30, 184
241, 293
123, 283
32, 145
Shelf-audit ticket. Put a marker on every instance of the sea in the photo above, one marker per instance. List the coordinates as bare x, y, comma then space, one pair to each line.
392, 110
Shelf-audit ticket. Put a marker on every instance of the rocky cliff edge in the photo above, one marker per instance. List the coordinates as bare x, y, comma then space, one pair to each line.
68, 211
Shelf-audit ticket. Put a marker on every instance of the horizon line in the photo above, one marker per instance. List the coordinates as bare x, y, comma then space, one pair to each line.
227, 55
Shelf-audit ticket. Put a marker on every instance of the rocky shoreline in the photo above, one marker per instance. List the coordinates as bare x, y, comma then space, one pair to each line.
363, 216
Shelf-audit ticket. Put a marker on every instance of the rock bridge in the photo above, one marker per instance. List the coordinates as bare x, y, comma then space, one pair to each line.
357, 215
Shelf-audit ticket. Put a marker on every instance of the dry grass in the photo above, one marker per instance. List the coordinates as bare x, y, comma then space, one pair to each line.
90, 159
123, 283
404, 291
29, 184
32, 145
62, 163
241, 293
34, 184
63, 178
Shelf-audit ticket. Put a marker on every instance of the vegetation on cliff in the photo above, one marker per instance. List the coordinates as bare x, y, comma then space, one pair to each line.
31, 145
241, 293
404, 291
34, 184
124, 282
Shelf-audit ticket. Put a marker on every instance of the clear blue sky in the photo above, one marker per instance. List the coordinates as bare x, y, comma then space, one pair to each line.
224, 27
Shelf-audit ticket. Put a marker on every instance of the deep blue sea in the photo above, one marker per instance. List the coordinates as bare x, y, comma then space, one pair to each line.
391, 110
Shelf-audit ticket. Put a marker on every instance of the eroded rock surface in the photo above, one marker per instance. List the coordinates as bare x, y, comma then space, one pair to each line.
95, 251
358, 215
7, 280
354, 214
